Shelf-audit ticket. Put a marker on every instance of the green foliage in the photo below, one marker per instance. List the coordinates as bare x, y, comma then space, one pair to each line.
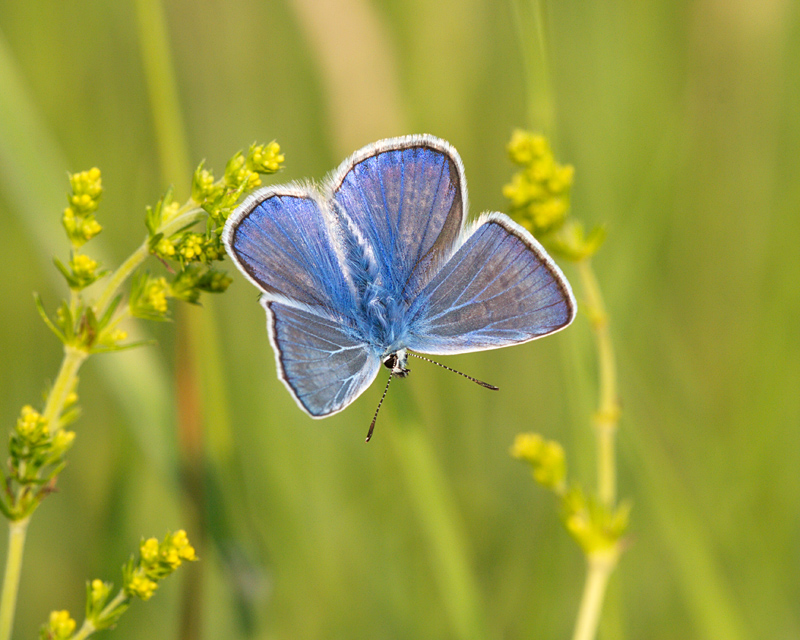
86, 325
140, 578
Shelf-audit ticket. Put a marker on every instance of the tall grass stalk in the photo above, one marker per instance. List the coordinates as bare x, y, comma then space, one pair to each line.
173, 155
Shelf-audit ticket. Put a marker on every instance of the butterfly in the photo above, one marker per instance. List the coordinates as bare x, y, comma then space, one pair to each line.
380, 262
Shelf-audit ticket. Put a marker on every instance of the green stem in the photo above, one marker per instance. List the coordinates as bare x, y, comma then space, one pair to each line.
162, 86
184, 219
88, 628
63, 385
600, 567
8, 600
120, 275
607, 415
56, 399
601, 564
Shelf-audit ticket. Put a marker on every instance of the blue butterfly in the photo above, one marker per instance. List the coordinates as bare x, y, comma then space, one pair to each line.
379, 261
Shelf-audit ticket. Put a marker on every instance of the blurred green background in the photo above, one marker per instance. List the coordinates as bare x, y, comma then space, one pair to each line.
683, 122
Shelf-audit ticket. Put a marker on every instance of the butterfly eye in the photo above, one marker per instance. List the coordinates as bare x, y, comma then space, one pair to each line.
397, 363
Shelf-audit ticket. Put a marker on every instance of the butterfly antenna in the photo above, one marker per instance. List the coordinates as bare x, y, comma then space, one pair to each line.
444, 366
375, 417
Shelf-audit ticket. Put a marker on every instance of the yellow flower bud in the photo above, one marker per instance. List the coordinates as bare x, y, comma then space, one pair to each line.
527, 446
83, 266
31, 425
60, 625
156, 295
165, 248
546, 458
90, 228
265, 158
140, 585
62, 440
191, 246
539, 193
149, 550
99, 593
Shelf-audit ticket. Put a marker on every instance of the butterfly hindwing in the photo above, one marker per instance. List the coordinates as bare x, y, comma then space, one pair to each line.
499, 288
323, 364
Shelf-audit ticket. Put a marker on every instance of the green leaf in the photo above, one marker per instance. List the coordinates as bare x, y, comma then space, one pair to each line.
109, 312
46, 318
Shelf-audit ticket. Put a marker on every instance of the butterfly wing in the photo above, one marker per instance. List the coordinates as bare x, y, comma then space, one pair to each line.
402, 201
499, 288
284, 241
324, 364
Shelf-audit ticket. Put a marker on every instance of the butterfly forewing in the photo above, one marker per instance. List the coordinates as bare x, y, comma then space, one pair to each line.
406, 201
283, 242
498, 289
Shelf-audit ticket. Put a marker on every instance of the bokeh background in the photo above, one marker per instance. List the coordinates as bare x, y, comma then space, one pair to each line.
682, 120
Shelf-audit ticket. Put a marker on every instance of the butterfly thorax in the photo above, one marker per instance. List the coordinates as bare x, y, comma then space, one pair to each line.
383, 320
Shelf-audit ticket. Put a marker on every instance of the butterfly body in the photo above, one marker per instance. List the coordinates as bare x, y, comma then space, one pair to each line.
379, 261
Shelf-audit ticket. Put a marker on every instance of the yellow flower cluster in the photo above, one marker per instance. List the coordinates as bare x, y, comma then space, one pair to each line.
596, 528
191, 246
60, 626
78, 218
546, 458
157, 561
62, 440
239, 174
31, 425
203, 185
164, 248
141, 586
83, 267
539, 193
155, 295
87, 187
265, 158
98, 592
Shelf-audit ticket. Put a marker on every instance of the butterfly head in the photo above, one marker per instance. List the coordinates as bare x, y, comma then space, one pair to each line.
397, 363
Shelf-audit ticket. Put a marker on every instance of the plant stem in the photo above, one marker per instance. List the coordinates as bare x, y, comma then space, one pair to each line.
600, 566
607, 415
8, 602
88, 628
530, 18
183, 219
63, 385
